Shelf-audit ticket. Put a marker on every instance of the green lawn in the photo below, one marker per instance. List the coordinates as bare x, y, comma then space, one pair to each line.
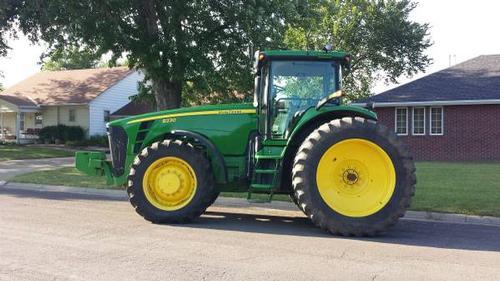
465, 188
63, 176
15, 152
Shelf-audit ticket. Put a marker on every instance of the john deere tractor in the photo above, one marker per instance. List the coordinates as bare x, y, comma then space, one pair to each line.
348, 174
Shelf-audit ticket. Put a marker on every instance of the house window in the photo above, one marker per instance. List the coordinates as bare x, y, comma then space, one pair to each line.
107, 113
418, 121
72, 115
38, 118
436, 121
401, 121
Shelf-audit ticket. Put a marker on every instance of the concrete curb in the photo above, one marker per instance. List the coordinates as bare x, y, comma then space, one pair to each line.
243, 203
452, 218
114, 194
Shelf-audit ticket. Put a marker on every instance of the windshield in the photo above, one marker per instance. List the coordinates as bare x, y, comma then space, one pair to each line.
295, 86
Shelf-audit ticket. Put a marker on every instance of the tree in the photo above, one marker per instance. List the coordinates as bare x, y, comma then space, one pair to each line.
71, 57
6, 18
198, 46
383, 41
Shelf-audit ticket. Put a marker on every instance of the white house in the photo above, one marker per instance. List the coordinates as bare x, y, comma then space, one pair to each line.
85, 98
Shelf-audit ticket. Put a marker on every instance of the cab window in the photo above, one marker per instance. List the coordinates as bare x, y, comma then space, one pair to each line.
296, 86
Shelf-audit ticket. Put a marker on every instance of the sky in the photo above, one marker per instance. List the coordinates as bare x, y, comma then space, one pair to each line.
460, 29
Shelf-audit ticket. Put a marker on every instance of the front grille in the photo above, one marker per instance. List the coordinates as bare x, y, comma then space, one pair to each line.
118, 148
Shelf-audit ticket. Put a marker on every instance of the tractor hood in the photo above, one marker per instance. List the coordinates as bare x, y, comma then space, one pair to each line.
204, 110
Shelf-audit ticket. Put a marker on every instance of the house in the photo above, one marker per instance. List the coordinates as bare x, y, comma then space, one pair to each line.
134, 107
450, 115
85, 98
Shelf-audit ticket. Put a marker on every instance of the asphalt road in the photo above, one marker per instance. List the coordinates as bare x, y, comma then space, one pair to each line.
63, 236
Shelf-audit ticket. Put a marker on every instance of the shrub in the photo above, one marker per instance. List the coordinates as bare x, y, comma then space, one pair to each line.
96, 140
48, 134
73, 133
62, 133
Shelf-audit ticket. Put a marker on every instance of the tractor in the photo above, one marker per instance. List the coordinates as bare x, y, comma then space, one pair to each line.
349, 175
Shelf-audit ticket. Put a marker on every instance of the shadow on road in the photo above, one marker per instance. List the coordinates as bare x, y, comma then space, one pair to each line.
406, 232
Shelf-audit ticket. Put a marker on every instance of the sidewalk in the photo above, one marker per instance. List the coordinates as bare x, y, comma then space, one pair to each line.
244, 204
11, 168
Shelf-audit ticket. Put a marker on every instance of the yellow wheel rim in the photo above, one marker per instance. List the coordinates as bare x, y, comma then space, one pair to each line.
356, 177
169, 183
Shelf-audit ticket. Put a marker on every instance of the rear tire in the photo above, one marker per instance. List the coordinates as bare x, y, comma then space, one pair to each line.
171, 182
337, 205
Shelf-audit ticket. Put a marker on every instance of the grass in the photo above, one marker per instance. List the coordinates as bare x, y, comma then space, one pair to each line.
63, 176
465, 188
16, 152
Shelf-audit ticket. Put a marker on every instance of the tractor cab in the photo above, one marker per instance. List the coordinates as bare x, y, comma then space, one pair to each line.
288, 83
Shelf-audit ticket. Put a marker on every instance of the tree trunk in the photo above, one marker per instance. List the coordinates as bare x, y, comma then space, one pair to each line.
167, 94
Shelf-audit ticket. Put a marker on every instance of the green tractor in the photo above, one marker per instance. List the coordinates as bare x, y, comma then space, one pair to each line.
348, 174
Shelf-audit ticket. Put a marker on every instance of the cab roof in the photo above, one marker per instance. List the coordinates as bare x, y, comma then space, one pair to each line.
261, 57
297, 54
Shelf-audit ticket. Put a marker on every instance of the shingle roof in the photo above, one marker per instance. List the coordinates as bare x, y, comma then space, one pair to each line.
68, 86
475, 79
18, 100
134, 108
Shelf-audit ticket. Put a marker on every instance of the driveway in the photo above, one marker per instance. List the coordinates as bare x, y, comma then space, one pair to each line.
66, 236
11, 168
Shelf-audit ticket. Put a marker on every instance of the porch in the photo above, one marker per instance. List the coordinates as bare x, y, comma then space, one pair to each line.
18, 123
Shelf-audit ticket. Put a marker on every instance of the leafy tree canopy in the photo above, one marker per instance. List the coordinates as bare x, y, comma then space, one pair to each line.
7, 16
384, 42
202, 49
71, 57
198, 46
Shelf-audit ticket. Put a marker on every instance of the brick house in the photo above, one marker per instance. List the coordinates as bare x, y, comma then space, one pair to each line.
450, 115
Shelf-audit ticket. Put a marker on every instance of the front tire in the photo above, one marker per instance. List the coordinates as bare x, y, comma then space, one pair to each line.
171, 182
353, 177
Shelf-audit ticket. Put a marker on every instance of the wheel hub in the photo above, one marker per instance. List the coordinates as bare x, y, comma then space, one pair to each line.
355, 177
350, 176
169, 183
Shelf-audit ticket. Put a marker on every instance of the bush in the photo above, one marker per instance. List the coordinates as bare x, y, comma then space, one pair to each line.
96, 140
62, 133
73, 133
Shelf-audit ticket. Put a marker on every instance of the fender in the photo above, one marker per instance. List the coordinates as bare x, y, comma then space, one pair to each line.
217, 161
313, 117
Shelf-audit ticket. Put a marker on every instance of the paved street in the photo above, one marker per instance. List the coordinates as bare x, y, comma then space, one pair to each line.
63, 236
